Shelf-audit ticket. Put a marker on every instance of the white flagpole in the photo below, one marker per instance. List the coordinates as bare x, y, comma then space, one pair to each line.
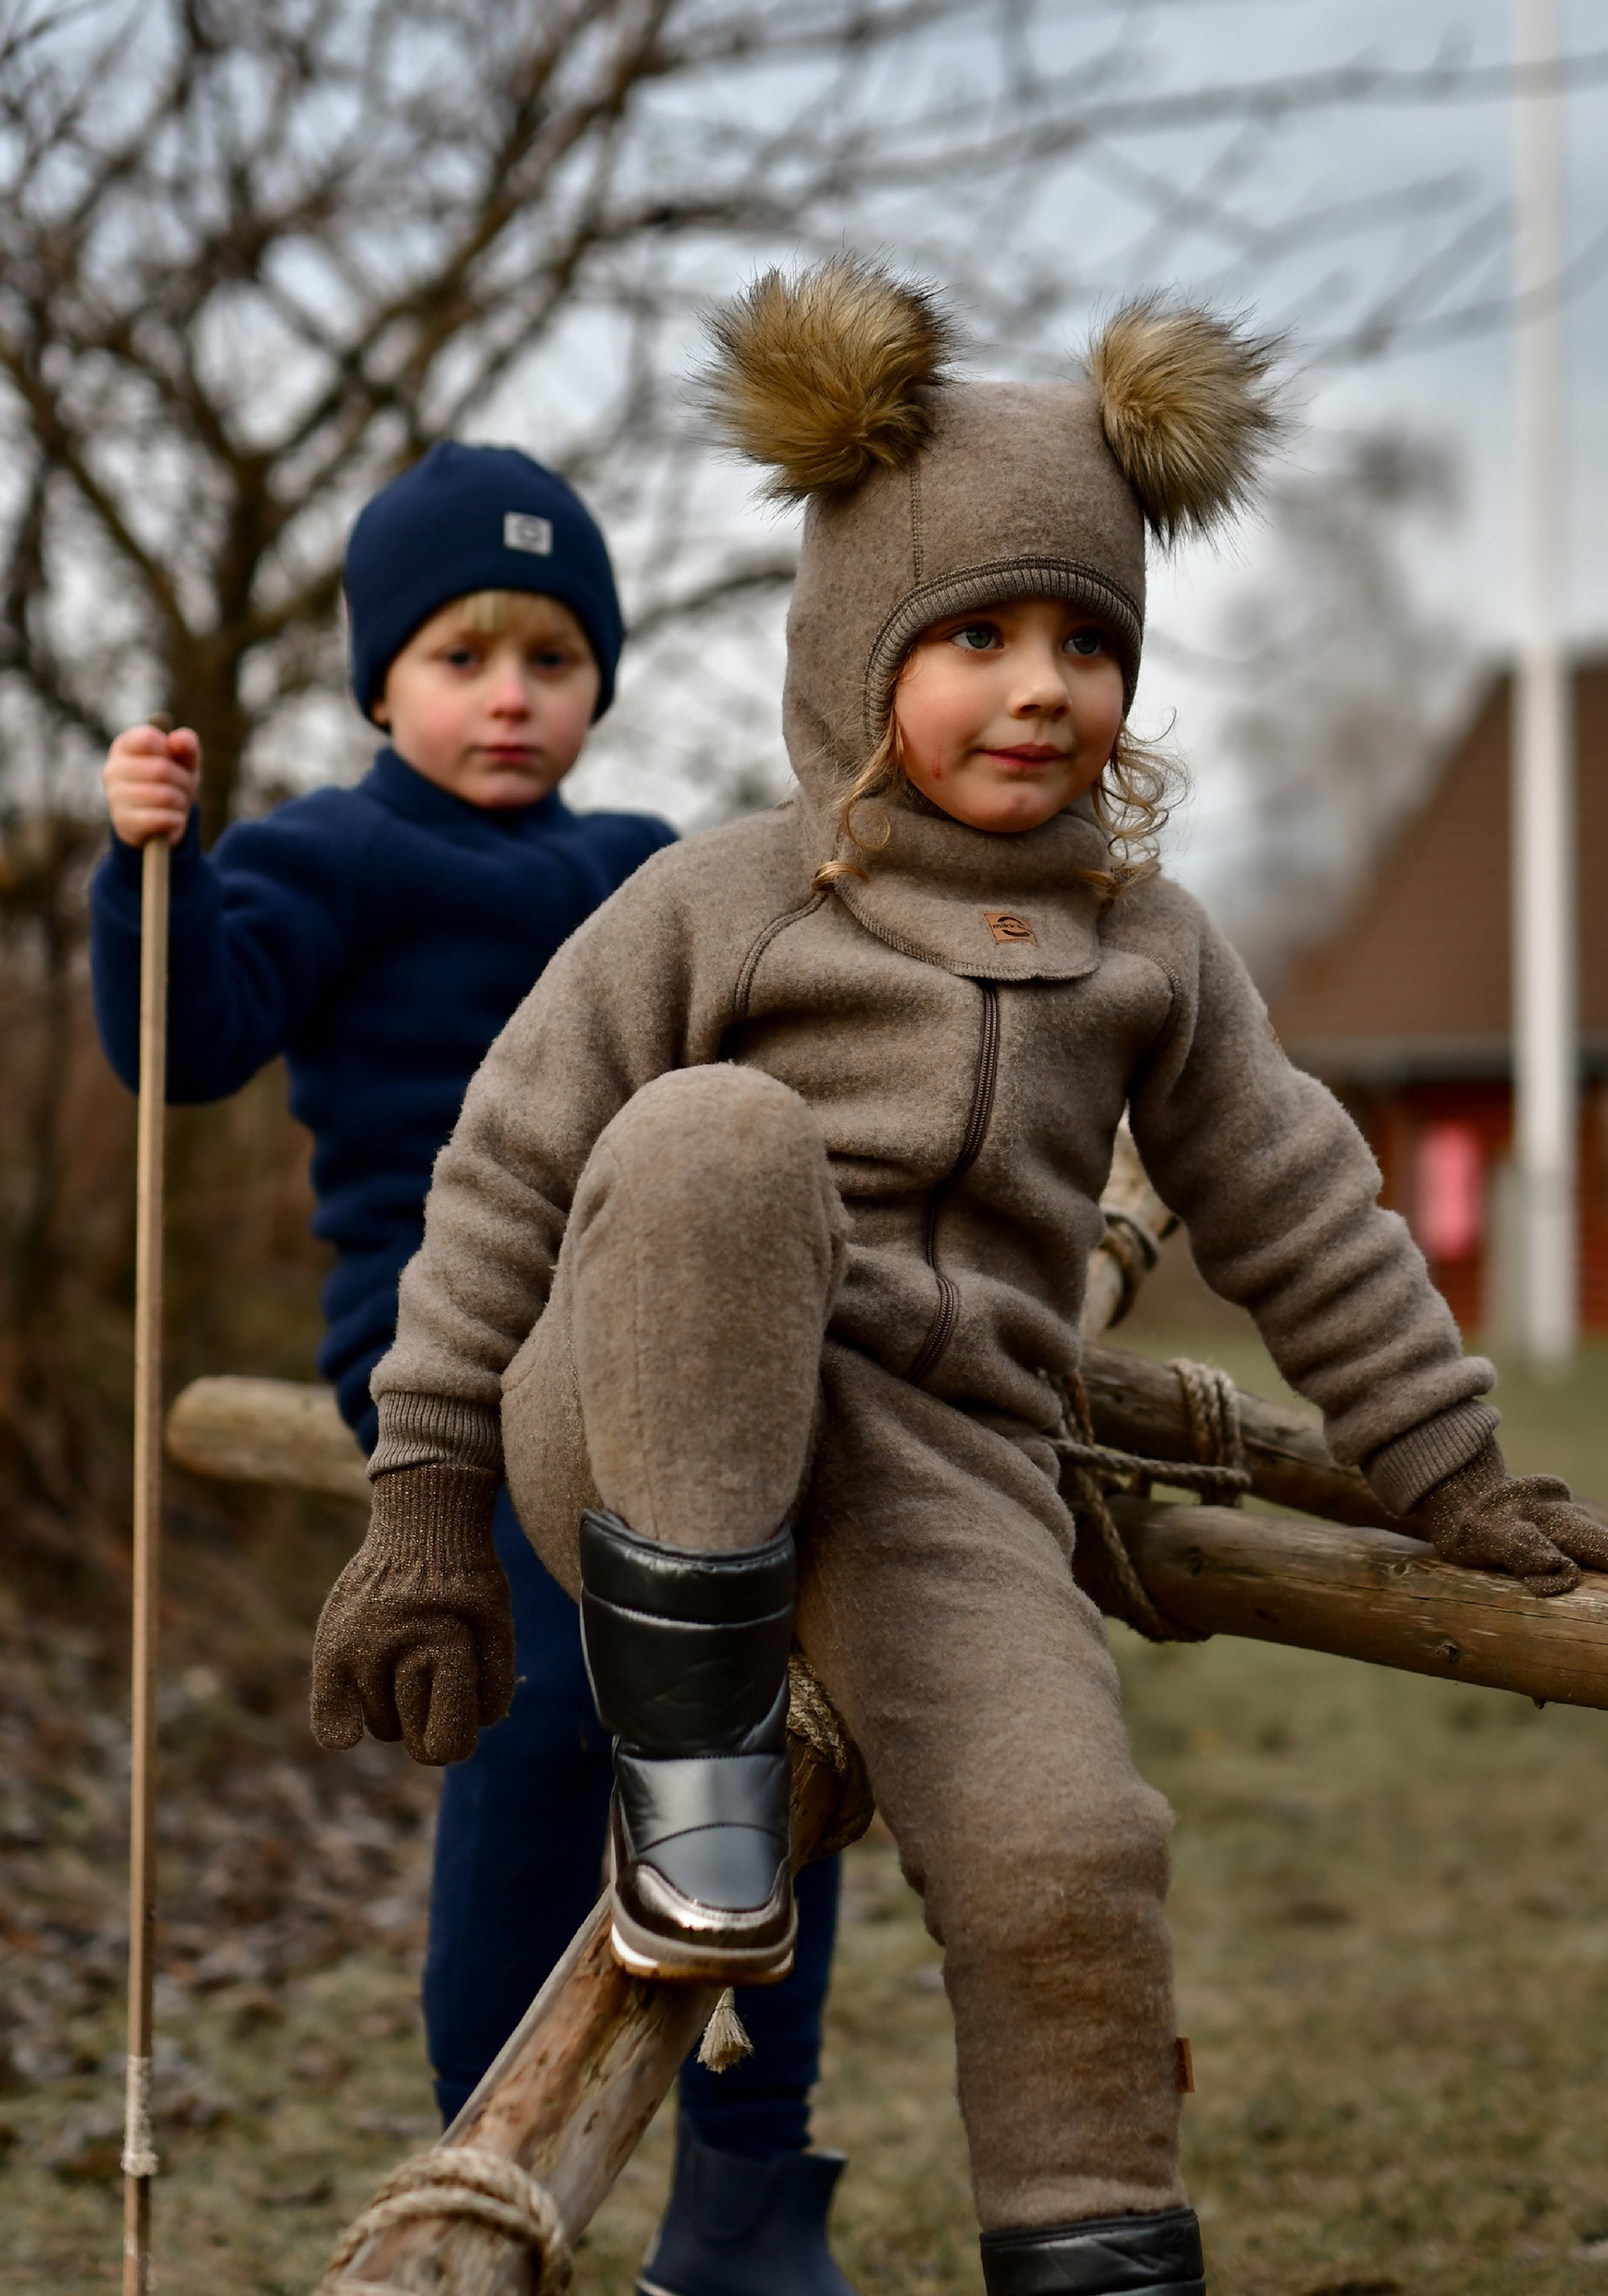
1546, 1087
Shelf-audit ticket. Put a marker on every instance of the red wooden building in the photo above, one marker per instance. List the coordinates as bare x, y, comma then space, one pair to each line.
1405, 1010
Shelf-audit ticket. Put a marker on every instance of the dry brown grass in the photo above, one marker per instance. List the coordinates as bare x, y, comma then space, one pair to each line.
1392, 1913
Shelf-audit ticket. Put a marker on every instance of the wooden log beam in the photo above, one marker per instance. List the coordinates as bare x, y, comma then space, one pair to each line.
1138, 1405
266, 1430
1368, 1594
289, 1434
575, 2084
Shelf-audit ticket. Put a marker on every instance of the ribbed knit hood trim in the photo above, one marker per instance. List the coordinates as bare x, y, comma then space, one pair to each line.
987, 585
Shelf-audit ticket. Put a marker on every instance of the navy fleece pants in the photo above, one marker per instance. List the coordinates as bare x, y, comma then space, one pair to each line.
518, 1865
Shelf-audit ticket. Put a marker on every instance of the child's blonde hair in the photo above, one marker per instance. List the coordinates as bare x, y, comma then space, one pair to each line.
489, 613
1132, 799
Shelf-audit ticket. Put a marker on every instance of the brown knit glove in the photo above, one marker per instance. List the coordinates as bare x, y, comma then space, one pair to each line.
1526, 1524
416, 1636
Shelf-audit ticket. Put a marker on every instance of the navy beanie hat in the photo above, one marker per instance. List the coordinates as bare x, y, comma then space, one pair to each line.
468, 518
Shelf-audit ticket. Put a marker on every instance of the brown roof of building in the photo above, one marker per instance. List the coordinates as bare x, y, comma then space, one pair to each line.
1415, 981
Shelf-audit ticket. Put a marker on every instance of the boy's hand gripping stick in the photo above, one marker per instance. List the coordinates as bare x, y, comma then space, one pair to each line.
139, 2154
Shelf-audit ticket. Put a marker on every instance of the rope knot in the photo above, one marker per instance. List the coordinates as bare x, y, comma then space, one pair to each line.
812, 1718
1218, 1474
462, 2180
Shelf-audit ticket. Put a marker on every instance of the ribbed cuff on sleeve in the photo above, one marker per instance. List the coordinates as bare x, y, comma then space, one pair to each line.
422, 1430
1402, 1471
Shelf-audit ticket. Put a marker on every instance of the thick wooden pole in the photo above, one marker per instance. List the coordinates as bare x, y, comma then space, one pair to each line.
1372, 1594
280, 1431
139, 2156
575, 2084
1138, 1405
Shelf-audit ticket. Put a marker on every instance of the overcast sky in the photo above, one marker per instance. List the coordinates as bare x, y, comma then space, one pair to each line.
1090, 219
1461, 393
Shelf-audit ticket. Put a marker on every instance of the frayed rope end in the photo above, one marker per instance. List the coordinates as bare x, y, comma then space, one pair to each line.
725, 2042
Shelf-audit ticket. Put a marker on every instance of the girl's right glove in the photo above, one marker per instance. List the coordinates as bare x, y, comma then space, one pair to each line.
1529, 1525
416, 1636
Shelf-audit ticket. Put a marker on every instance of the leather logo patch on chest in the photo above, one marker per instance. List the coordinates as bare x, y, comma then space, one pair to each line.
1004, 924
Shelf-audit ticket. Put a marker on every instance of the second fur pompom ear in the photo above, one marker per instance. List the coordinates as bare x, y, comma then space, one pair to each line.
823, 376
1189, 410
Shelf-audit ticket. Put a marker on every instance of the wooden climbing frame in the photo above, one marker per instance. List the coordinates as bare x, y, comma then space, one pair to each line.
560, 2111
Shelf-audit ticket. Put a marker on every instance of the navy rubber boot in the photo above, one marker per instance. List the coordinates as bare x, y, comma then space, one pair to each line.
739, 2228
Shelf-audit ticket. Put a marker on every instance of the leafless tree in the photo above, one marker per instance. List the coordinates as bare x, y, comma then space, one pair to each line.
256, 254
1339, 682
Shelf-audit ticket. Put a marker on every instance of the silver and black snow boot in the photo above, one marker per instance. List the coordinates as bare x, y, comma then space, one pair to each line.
687, 1653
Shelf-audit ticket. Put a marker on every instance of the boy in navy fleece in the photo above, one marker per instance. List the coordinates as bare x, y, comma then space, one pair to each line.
378, 938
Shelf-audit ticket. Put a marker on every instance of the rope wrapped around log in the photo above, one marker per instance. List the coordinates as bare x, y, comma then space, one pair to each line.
1092, 1470
813, 1720
486, 2188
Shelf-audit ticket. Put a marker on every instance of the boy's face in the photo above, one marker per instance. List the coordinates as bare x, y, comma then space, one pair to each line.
499, 717
1007, 716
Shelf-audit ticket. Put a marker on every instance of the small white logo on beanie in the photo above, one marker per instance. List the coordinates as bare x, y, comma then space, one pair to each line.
524, 531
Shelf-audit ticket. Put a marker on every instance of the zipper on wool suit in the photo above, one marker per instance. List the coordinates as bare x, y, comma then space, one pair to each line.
983, 1082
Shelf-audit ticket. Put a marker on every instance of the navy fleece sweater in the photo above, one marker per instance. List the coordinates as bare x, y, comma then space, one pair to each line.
378, 938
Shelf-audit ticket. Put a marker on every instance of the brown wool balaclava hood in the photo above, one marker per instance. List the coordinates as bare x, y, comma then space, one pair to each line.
926, 496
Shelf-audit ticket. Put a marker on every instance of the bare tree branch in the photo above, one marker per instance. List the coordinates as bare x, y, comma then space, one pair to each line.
256, 254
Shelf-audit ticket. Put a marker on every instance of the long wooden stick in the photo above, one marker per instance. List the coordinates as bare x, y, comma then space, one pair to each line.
139, 2154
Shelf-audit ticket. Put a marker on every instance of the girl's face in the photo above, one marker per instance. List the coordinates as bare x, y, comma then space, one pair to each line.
1008, 715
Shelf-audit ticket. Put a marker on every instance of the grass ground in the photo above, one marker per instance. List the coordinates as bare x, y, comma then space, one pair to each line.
1391, 1917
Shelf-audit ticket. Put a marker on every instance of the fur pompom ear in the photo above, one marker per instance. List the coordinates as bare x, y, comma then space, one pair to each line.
1189, 410
821, 375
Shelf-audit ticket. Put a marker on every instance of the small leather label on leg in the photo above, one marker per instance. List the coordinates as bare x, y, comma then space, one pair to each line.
1186, 2063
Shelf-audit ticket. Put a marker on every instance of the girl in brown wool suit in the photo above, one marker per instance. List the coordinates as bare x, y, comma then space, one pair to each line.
756, 1259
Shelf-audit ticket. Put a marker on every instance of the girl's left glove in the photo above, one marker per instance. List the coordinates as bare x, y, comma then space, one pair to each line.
417, 1637
1528, 1525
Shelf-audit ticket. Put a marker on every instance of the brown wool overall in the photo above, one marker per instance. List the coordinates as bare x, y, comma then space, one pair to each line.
773, 1203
